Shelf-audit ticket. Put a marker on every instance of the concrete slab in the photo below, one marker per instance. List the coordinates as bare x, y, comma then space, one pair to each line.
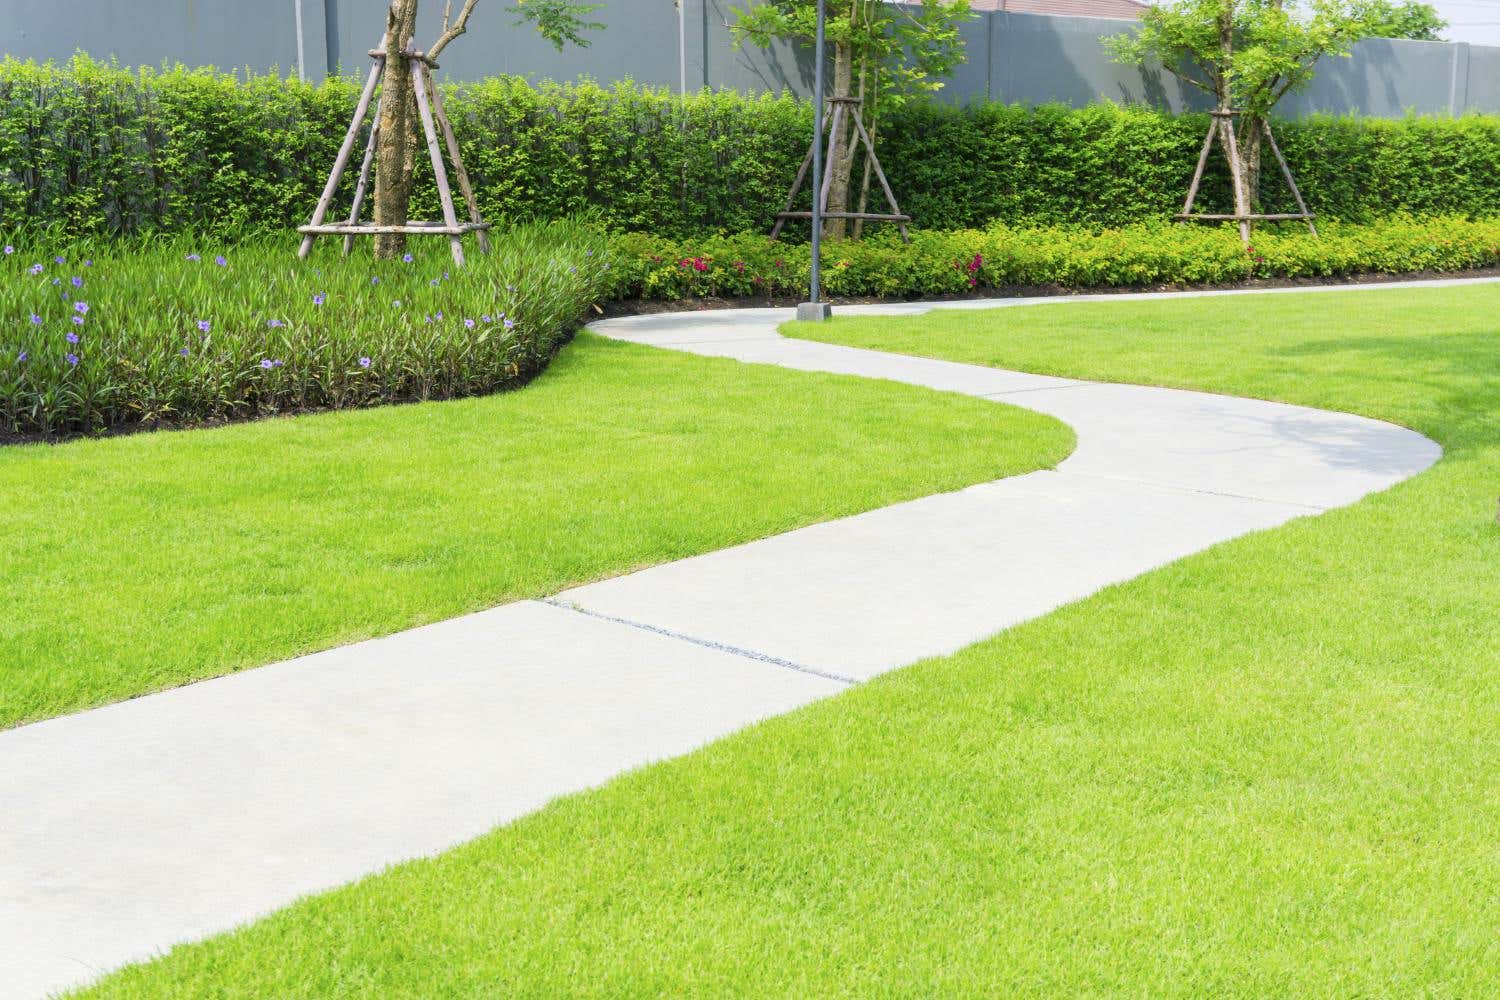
167, 818
879, 590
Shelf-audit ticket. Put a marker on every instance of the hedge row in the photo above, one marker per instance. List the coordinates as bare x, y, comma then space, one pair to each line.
976, 261
93, 148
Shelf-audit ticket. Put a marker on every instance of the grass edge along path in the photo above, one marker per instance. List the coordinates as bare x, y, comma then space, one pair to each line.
142, 562
1266, 770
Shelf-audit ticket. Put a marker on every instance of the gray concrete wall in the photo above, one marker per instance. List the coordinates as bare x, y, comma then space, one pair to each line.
1012, 57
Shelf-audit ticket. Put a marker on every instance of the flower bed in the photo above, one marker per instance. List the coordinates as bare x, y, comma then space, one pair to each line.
975, 261
100, 337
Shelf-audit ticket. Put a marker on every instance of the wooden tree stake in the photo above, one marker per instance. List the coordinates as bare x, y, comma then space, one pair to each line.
843, 107
430, 107
1222, 125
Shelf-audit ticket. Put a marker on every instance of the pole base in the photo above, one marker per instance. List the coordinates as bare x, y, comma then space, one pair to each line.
814, 312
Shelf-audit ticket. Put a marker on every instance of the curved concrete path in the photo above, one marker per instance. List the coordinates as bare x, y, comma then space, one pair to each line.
130, 828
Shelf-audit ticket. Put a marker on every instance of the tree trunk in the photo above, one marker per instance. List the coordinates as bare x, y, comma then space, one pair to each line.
1250, 139
841, 162
395, 154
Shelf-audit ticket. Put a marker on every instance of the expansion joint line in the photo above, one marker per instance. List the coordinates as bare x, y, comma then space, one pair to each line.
748, 654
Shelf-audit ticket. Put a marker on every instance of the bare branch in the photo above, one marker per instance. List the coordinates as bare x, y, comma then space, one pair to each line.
457, 28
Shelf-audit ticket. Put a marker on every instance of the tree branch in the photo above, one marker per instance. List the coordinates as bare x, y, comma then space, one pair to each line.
453, 30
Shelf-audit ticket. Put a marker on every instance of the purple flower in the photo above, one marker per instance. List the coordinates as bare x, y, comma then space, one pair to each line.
572, 270
374, 281
588, 253
77, 320
8, 251
56, 281
275, 324
72, 338
203, 326
437, 316
72, 359
193, 257
183, 352
88, 263
221, 261
59, 260
396, 304
469, 323
510, 288
510, 324
22, 358
36, 320
80, 307
433, 282
37, 269
77, 282
319, 299
407, 258
267, 364
427, 319
364, 362
445, 275
485, 319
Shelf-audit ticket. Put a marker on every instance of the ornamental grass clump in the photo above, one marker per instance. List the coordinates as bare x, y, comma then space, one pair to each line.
99, 337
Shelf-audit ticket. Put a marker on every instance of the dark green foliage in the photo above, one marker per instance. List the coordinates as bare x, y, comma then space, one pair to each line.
95, 149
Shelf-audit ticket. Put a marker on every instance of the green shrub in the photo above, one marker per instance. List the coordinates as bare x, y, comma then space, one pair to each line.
973, 261
96, 337
91, 148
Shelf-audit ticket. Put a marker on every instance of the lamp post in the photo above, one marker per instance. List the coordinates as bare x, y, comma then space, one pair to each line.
815, 308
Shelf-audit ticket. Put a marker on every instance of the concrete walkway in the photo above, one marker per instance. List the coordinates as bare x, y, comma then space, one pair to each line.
130, 828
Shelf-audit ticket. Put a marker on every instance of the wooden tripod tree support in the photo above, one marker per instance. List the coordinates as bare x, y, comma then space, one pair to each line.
1223, 125
430, 106
842, 107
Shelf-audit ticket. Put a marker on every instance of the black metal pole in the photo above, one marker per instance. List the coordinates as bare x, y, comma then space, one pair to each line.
817, 177
814, 308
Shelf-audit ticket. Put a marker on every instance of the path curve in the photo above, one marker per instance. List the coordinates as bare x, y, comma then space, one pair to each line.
132, 827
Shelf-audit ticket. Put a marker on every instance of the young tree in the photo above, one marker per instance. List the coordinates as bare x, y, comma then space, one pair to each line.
884, 53
1248, 54
558, 21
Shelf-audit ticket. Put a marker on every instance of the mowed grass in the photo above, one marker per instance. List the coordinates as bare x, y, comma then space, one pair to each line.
138, 563
1268, 770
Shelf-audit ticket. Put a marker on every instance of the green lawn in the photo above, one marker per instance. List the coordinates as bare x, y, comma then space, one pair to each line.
138, 563
1268, 770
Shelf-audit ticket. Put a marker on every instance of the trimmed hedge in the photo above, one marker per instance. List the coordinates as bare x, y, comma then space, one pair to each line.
976, 261
95, 149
